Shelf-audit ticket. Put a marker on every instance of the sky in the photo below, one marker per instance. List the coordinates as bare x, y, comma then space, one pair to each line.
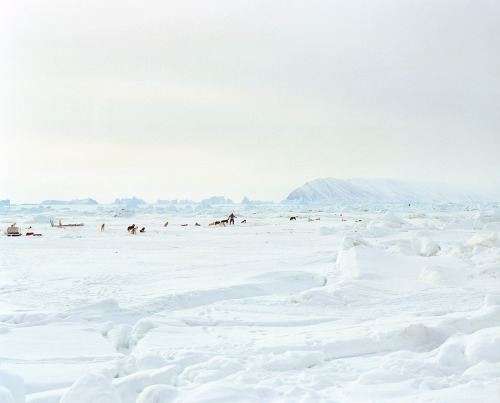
193, 99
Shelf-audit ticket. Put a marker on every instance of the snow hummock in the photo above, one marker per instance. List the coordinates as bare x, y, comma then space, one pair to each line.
378, 190
91, 388
12, 387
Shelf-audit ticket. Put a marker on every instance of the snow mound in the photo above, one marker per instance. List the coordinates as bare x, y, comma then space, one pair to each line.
119, 336
149, 360
424, 245
459, 224
482, 241
349, 242
5, 395
158, 394
11, 388
389, 222
484, 345
293, 360
91, 388
440, 275
215, 369
465, 351
141, 382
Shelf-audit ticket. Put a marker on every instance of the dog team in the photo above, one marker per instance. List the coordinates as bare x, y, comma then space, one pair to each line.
132, 229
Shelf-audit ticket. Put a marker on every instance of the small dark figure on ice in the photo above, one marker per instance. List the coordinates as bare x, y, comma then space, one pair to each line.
231, 219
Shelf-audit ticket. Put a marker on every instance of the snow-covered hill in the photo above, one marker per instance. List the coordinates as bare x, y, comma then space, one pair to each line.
379, 190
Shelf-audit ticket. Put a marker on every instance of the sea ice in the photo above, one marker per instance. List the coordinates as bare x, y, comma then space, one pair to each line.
384, 302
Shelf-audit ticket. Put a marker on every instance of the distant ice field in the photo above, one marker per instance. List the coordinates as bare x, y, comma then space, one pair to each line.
347, 303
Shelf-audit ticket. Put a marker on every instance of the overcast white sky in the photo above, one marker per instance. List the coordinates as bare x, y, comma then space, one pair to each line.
191, 99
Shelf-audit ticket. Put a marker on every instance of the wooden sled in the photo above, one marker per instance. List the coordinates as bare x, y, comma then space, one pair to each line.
60, 225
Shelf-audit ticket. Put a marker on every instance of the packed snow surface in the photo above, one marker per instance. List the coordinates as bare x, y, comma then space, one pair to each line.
380, 191
347, 303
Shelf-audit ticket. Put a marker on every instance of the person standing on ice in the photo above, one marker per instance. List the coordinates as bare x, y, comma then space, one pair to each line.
231, 219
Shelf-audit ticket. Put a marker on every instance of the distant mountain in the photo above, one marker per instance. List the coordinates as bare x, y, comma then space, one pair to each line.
72, 202
378, 190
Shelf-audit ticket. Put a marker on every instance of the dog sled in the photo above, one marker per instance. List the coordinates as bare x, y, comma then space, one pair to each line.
61, 225
13, 230
16, 231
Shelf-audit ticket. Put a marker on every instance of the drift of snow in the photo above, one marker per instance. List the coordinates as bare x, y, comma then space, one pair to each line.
349, 302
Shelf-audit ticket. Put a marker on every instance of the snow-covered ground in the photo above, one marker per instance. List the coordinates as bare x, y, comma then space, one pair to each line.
348, 303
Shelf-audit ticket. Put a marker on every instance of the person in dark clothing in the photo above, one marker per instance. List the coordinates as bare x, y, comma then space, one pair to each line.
231, 219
